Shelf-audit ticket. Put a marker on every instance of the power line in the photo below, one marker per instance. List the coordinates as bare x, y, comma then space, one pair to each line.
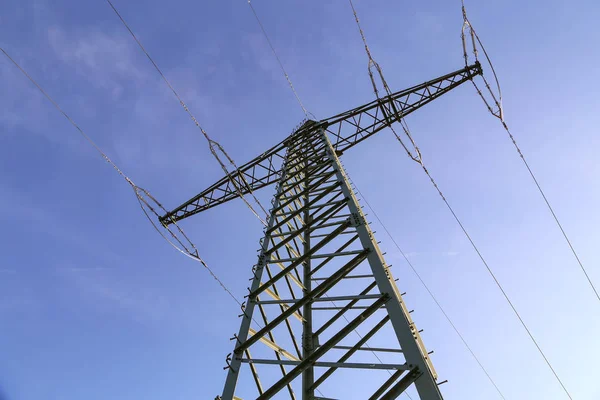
428, 290
373, 64
306, 113
144, 198
499, 113
419, 160
212, 144
55, 104
185, 246
287, 77
491, 273
415, 157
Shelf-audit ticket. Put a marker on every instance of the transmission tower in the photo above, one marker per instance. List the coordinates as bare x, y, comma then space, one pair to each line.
320, 274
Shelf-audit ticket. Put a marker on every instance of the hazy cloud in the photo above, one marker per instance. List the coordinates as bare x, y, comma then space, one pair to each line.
18, 207
106, 60
428, 22
450, 253
7, 271
262, 54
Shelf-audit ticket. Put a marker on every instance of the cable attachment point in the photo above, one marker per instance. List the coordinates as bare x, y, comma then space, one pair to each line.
495, 98
417, 157
170, 231
228, 361
498, 112
254, 272
356, 220
468, 27
243, 308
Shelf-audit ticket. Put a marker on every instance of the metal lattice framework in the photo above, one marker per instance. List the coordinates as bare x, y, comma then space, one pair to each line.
321, 277
345, 130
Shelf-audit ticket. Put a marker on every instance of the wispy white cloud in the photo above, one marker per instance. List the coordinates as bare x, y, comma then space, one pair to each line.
8, 271
23, 104
450, 253
414, 254
17, 303
18, 207
429, 22
411, 254
104, 59
82, 269
114, 65
104, 292
259, 51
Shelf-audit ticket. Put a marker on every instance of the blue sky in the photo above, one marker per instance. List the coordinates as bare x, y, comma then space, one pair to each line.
94, 305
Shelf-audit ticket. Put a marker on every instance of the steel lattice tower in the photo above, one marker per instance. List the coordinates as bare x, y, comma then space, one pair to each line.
320, 274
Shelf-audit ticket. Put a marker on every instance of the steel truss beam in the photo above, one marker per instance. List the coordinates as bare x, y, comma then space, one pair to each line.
345, 131
322, 243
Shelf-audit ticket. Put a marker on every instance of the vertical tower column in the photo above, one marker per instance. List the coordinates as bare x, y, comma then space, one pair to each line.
308, 376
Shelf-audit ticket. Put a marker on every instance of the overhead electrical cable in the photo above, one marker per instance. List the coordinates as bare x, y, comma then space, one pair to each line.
179, 240
412, 267
373, 64
499, 113
212, 144
307, 113
417, 158
496, 281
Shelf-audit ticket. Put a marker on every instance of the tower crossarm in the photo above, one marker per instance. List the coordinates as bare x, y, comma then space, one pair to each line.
345, 130
352, 127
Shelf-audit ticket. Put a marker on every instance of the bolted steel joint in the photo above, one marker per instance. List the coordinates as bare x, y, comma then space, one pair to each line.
356, 219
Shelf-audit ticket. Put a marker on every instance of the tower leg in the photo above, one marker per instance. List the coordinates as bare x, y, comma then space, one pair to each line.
405, 329
308, 376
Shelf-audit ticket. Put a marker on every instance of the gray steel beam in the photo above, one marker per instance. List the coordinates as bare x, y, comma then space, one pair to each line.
329, 364
333, 298
308, 345
404, 327
381, 349
382, 389
402, 384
